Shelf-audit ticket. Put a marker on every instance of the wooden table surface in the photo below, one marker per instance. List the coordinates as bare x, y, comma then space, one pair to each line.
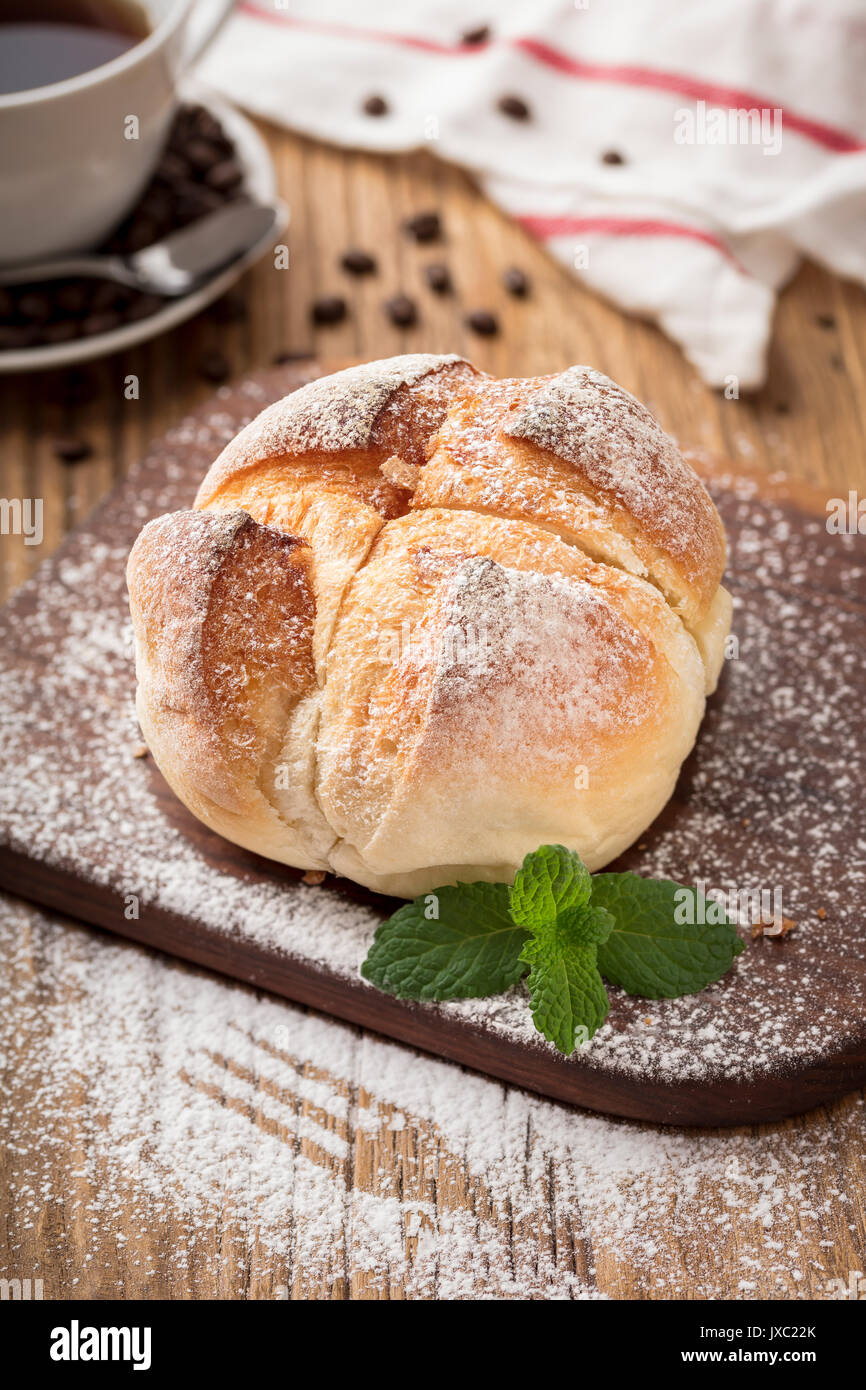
808, 421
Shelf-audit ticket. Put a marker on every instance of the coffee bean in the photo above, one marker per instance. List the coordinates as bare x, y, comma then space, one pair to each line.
62, 331
424, 226
202, 154
515, 107
213, 366
95, 324
516, 282
375, 106
195, 200
143, 232
358, 262
328, 309
231, 308
14, 336
401, 310
225, 175
483, 322
72, 450
142, 306
438, 277
157, 205
36, 307
478, 35
192, 114
224, 147
72, 298
202, 122
281, 358
173, 167
612, 157
107, 295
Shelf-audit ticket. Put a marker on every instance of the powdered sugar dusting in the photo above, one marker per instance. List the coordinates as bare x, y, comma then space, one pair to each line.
584, 417
509, 633
293, 1155
353, 409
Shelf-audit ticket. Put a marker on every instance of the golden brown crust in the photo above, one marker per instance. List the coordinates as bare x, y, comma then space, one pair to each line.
489, 688
423, 621
223, 615
319, 463
343, 426
578, 453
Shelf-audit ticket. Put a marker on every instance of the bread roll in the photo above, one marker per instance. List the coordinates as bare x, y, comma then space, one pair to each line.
421, 621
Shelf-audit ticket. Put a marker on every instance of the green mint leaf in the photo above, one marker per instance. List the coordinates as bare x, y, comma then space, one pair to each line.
567, 996
456, 943
551, 881
550, 898
654, 949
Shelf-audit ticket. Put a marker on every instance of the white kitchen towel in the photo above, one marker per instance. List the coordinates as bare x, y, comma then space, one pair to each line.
679, 155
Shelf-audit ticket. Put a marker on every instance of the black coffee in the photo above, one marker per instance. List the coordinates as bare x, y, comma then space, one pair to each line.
45, 41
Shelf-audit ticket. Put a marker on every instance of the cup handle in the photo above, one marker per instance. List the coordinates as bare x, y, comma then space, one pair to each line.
205, 18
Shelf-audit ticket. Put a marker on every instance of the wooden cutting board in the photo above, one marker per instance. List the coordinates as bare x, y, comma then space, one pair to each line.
771, 800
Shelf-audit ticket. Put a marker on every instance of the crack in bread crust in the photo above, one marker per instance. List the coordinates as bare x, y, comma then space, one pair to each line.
580, 454
381, 775
363, 415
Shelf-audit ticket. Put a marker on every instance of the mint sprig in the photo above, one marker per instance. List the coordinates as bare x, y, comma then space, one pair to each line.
550, 898
565, 926
550, 882
456, 943
567, 996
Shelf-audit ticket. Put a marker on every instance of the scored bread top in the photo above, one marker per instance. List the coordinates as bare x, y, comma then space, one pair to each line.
574, 452
551, 517
316, 463
578, 453
392, 406
479, 650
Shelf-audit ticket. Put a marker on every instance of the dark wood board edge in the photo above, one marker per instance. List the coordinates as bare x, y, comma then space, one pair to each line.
728, 1103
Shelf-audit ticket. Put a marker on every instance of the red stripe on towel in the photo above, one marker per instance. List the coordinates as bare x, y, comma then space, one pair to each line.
547, 227
692, 88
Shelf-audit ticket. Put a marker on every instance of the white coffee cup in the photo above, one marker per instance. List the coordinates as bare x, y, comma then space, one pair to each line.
75, 155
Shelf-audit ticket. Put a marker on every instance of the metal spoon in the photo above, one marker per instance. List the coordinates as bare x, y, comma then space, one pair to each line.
175, 265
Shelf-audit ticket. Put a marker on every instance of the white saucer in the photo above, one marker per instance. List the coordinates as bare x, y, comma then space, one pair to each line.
259, 181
